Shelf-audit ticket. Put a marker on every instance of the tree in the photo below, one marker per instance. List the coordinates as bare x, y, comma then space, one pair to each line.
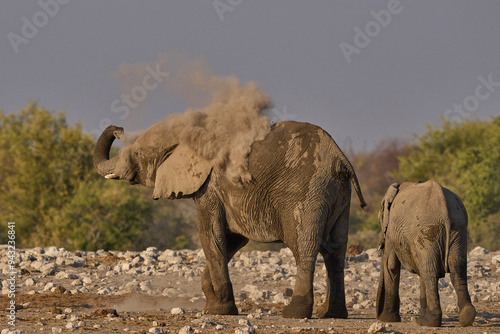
374, 171
43, 162
464, 158
48, 186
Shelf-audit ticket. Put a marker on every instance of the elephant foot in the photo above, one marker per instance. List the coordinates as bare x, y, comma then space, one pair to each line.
467, 315
334, 312
429, 319
388, 316
227, 308
300, 307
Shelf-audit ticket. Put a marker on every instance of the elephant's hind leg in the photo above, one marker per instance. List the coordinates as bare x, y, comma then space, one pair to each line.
305, 251
388, 291
431, 313
458, 275
333, 252
302, 300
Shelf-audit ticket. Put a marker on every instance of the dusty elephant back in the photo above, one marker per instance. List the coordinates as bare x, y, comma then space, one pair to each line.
292, 172
419, 221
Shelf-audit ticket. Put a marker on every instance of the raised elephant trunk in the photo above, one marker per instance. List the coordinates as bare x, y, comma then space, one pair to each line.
102, 164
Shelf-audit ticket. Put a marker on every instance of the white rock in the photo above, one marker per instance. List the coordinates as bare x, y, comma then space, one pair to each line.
451, 308
174, 260
153, 250
243, 322
37, 264
478, 251
145, 286
186, 330
351, 277
77, 282
279, 298
68, 311
52, 251
104, 291
177, 310
284, 252
170, 292
129, 255
49, 286
66, 275
136, 261
374, 254
358, 307
48, 269
377, 327
155, 330
496, 260
30, 282
70, 325
56, 330
78, 262
167, 254
149, 260
220, 327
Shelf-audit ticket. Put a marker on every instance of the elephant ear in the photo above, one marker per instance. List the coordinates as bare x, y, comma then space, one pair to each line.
383, 215
181, 174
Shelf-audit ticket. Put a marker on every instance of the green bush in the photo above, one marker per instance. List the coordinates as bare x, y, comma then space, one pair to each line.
49, 187
464, 158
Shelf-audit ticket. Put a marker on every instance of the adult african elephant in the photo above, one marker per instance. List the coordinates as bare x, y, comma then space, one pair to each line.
299, 194
424, 226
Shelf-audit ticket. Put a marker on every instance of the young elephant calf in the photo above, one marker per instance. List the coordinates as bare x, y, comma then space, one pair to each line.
424, 226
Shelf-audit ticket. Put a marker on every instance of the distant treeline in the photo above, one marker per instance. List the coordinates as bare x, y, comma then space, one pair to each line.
463, 157
48, 186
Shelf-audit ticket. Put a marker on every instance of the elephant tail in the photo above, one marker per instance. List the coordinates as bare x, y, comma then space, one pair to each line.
447, 247
352, 176
357, 188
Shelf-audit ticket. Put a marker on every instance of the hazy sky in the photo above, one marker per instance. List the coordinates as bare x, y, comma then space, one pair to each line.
362, 70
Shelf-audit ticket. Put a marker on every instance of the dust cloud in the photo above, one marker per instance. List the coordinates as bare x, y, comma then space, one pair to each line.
225, 116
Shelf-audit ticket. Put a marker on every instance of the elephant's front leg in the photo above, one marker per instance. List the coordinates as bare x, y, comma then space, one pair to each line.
215, 280
234, 242
388, 290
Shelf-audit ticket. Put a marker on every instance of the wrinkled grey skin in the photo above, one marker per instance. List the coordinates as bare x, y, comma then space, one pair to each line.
425, 229
299, 194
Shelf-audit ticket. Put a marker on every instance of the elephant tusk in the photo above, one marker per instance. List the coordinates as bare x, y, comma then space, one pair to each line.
111, 176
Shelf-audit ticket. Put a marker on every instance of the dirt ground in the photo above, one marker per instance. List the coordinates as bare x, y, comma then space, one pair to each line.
41, 311
59, 311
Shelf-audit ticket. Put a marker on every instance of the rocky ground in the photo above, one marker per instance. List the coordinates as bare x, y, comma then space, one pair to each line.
160, 292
